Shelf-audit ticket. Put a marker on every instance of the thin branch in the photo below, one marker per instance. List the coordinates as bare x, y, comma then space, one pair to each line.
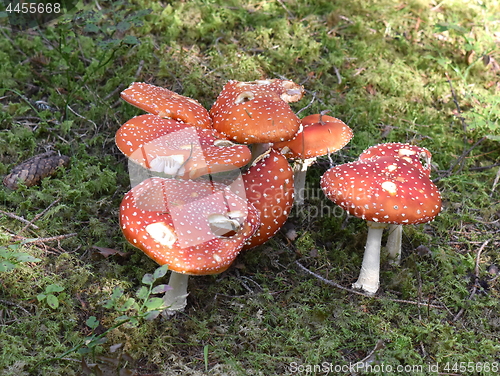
43, 240
460, 159
379, 345
476, 280
482, 168
20, 219
290, 14
308, 105
6, 302
38, 216
495, 182
457, 105
337, 73
336, 285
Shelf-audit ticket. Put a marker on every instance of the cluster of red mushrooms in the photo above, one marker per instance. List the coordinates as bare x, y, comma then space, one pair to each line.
209, 184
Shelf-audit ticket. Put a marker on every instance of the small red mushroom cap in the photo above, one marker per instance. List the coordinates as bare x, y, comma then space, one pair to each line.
269, 187
166, 103
256, 112
417, 155
386, 189
195, 227
177, 149
321, 135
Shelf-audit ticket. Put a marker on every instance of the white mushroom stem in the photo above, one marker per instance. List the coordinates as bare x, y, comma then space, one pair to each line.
299, 177
176, 299
394, 243
368, 280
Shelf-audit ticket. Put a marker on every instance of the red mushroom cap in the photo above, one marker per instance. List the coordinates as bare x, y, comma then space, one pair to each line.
195, 227
173, 148
417, 155
166, 103
321, 135
256, 112
269, 187
386, 189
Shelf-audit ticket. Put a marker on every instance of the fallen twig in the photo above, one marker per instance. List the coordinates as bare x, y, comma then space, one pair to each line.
352, 291
495, 182
6, 302
379, 345
308, 105
457, 105
476, 279
38, 216
20, 219
460, 159
43, 240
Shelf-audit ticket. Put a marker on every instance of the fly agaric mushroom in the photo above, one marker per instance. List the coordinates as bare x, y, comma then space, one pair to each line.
166, 103
177, 149
269, 187
418, 156
321, 135
194, 227
257, 112
382, 191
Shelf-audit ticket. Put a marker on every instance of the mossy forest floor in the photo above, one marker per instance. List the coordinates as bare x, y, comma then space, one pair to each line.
418, 71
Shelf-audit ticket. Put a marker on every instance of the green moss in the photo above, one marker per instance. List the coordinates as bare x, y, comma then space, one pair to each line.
382, 67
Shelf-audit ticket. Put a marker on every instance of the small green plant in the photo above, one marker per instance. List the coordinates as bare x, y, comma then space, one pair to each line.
11, 257
145, 307
484, 117
49, 295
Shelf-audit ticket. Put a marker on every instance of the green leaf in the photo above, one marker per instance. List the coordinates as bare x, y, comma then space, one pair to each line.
117, 293
160, 272
127, 305
205, 356
24, 257
92, 322
133, 322
493, 137
122, 318
53, 288
98, 341
123, 26
40, 297
83, 350
148, 279
142, 293
153, 303
161, 289
91, 28
130, 39
151, 315
52, 301
6, 266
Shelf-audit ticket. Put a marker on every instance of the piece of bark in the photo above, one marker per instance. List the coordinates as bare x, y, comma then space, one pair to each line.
33, 170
